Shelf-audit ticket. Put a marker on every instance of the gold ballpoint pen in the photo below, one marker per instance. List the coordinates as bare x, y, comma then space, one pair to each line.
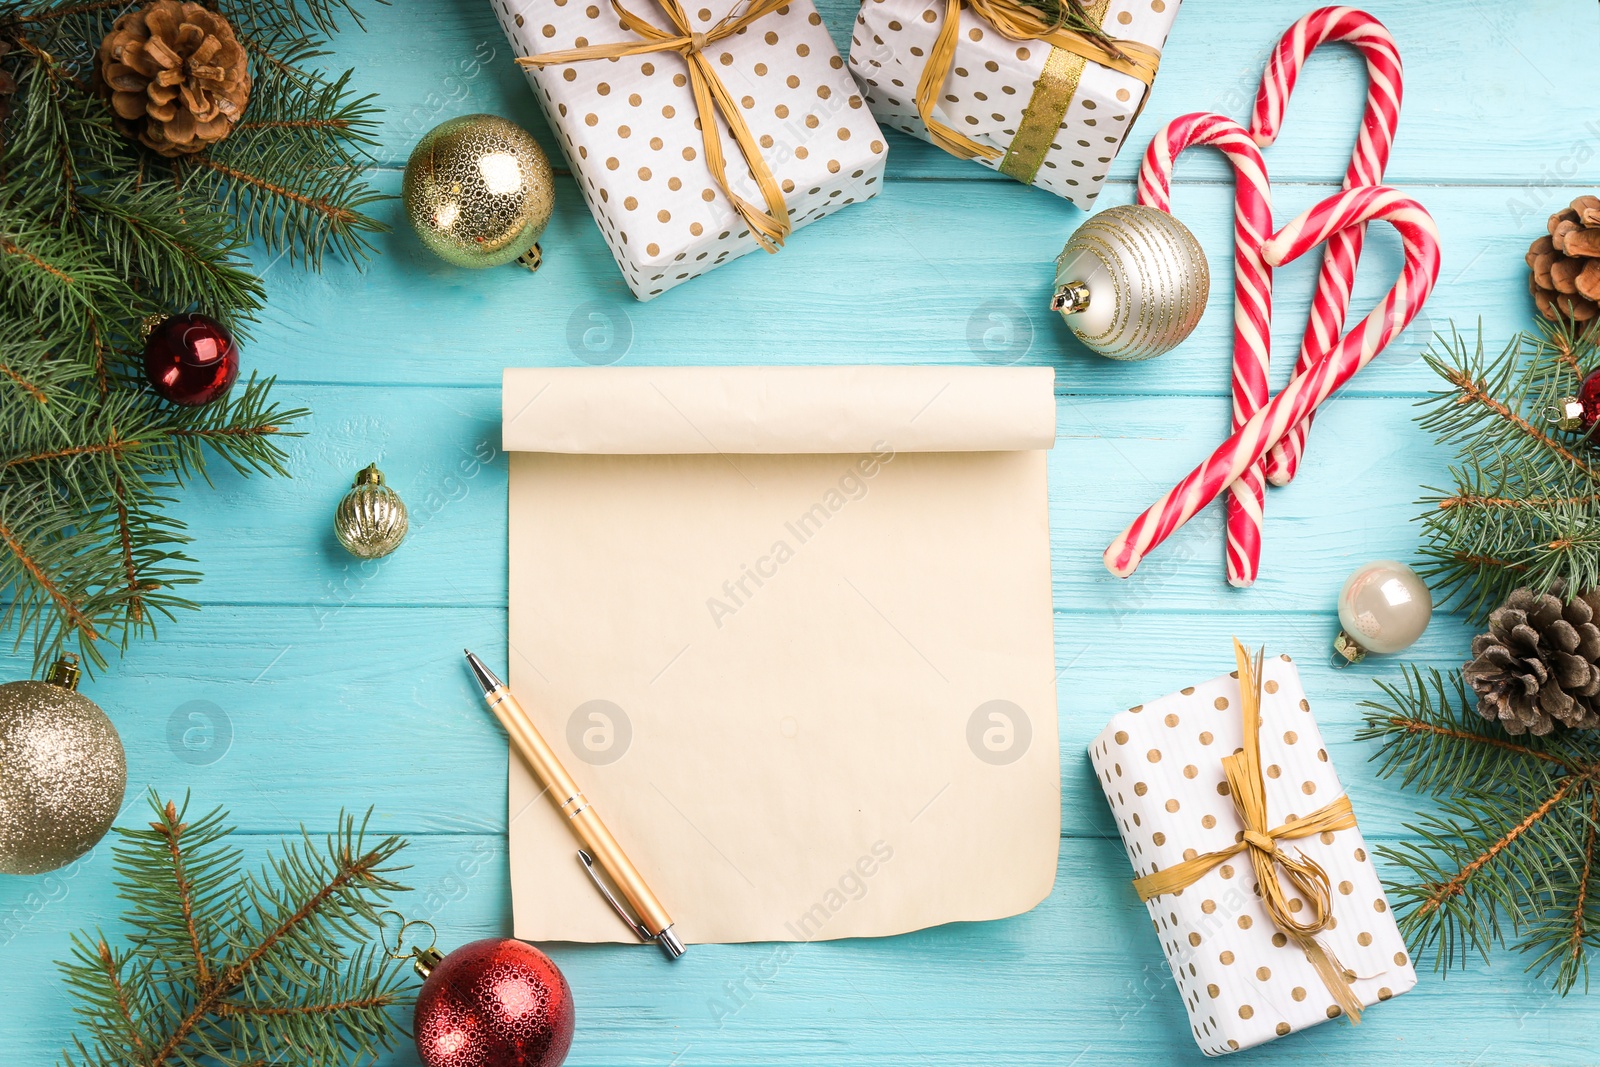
599, 847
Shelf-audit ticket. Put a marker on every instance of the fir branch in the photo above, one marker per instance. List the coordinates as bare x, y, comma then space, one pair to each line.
97, 235
1567, 950
303, 18
1480, 414
1523, 508
49, 14
1494, 503
244, 430
11, 248
1492, 852
33, 586
112, 445
137, 586
113, 975
1432, 740
230, 967
1072, 15
32, 389
1513, 840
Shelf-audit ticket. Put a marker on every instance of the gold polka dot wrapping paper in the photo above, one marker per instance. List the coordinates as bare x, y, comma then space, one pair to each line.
1057, 119
1242, 981
628, 129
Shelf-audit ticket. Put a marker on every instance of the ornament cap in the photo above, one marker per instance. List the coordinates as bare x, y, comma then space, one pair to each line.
1070, 298
1346, 651
533, 259
1568, 414
425, 960
65, 671
369, 475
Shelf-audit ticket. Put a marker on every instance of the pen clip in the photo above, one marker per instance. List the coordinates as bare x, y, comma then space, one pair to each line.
616, 905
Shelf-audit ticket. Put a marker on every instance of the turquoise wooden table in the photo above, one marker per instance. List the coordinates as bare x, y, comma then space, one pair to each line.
309, 682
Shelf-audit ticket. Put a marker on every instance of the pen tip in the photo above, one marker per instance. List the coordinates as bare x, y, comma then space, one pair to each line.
486, 677
466, 651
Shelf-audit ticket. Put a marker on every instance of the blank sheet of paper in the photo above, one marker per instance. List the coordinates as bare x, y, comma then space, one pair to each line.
790, 629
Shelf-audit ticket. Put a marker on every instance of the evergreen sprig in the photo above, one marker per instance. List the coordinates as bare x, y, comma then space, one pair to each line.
1510, 851
1073, 15
1512, 842
99, 236
1525, 507
224, 965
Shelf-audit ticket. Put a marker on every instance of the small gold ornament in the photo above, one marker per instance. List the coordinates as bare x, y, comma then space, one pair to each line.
371, 520
1131, 282
478, 191
62, 772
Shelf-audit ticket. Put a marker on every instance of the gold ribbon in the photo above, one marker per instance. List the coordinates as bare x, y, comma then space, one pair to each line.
711, 98
1053, 91
1310, 881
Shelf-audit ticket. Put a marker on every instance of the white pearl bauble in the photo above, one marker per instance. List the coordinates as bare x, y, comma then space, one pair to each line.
1132, 282
1383, 607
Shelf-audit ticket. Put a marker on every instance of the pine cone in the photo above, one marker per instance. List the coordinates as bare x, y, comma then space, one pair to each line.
177, 76
1538, 667
1566, 263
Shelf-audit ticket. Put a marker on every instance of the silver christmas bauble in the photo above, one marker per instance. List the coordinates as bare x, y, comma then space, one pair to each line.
62, 773
1132, 282
1383, 607
371, 519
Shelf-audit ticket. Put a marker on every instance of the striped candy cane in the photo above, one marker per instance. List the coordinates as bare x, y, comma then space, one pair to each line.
1376, 137
1252, 299
1302, 395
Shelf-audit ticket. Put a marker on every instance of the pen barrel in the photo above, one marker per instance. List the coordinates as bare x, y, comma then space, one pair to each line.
592, 831
570, 802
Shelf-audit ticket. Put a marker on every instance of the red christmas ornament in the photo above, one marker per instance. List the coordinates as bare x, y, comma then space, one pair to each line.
492, 1003
191, 360
1589, 397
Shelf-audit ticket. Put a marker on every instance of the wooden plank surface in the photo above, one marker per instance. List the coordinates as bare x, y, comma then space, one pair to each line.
309, 683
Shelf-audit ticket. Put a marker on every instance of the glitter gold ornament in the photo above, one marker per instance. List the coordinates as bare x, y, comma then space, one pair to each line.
62, 772
1131, 282
371, 519
479, 193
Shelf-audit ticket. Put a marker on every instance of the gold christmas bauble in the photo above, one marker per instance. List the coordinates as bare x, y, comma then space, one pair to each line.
62, 773
371, 519
478, 191
1132, 282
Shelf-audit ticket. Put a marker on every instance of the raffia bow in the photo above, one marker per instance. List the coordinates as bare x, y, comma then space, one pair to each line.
711, 99
1310, 881
1018, 23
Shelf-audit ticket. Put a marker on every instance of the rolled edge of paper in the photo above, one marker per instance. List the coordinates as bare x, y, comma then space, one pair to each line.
777, 410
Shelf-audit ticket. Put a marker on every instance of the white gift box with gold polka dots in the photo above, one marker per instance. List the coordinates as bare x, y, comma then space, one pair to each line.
995, 88
628, 128
1242, 981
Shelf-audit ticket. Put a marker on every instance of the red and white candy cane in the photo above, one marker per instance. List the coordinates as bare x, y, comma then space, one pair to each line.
1371, 155
1252, 298
1353, 207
